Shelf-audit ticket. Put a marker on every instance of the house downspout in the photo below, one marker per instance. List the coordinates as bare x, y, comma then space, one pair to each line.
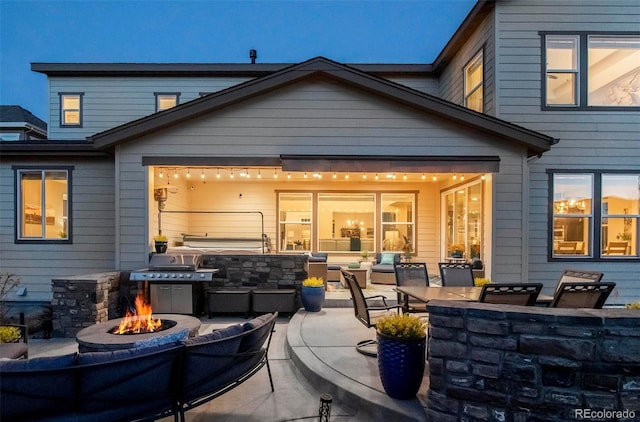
117, 247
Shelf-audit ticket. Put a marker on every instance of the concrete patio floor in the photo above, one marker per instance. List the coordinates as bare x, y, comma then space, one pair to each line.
310, 354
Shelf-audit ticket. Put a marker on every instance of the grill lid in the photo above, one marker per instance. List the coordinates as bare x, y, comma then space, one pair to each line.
175, 262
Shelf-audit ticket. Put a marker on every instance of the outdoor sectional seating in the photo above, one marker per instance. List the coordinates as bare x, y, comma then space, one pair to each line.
382, 272
135, 384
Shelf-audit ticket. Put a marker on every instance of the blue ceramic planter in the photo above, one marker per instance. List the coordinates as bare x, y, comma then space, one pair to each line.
401, 365
312, 298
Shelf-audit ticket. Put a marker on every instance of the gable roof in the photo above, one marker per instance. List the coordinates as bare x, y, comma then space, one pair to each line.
535, 142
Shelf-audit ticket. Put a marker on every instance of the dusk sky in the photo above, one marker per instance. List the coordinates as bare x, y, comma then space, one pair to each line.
209, 31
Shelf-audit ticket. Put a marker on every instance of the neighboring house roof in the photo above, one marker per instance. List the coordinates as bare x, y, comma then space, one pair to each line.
15, 114
535, 142
49, 148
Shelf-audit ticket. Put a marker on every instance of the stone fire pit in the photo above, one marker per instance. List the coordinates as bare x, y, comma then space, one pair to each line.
97, 338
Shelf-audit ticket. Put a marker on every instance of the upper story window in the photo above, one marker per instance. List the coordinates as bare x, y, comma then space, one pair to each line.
474, 83
43, 204
585, 71
70, 109
165, 101
595, 215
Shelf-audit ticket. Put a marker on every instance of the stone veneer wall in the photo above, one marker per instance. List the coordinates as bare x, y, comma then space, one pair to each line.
511, 363
268, 271
82, 301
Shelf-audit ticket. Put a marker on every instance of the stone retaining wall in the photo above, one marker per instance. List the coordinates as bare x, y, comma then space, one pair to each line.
511, 363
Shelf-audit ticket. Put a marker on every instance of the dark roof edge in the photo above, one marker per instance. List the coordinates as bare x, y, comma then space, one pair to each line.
50, 148
206, 69
477, 14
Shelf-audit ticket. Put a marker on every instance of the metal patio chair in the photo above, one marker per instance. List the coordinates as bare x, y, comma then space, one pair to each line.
582, 295
411, 274
579, 276
367, 313
456, 274
524, 294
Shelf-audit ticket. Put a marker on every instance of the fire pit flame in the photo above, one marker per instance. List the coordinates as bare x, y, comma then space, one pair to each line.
138, 321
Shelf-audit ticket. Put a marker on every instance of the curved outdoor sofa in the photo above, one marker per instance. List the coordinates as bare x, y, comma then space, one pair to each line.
135, 384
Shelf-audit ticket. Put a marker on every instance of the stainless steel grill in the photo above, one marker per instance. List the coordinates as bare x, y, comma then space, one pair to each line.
174, 268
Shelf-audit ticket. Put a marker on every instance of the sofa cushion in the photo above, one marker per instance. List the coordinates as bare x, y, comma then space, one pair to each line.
254, 340
49, 362
381, 268
159, 341
229, 331
90, 358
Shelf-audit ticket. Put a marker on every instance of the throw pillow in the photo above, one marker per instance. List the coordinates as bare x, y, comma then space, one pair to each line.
388, 258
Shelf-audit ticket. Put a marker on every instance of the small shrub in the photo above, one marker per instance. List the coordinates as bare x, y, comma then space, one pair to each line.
403, 326
479, 282
160, 238
313, 282
9, 334
634, 305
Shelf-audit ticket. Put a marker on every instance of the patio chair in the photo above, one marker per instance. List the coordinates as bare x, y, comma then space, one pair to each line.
579, 276
524, 294
582, 295
411, 274
456, 274
367, 313
19, 348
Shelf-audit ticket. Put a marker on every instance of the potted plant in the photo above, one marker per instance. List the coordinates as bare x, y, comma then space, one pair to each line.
479, 281
160, 243
402, 344
312, 294
456, 250
365, 255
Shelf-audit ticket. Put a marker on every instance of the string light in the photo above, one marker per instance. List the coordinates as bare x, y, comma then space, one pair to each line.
364, 175
202, 174
482, 177
461, 177
305, 174
376, 176
217, 173
188, 173
455, 176
423, 176
259, 174
275, 173
231, 173
346, 176
434, 178
161, 175
175, 174
289, 175
404, 177
334, 175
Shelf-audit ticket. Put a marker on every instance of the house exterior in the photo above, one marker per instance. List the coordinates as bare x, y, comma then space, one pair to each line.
519, 145
18, 124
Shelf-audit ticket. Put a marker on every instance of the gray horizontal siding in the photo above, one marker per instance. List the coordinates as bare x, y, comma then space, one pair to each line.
93, 222
111, 101
587, 139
